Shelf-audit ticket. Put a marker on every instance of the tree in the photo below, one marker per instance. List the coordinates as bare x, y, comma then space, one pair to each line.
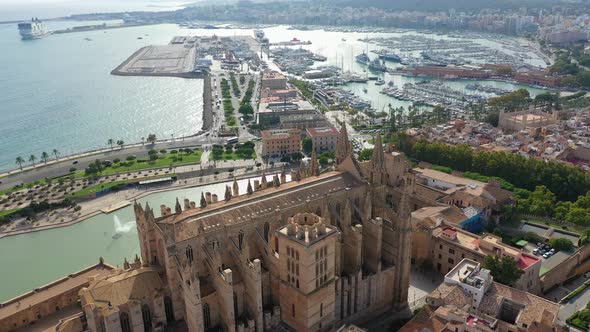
32, 159
142, 140
44, 156
120, 143
307, 145
20, 161
246, 109
504, 270
111, 142
365, 154
561, 244
55, 153
152, 138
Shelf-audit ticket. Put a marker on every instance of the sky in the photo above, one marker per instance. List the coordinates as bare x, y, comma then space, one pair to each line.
23, 9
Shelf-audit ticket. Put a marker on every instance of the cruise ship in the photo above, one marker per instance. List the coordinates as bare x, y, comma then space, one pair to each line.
33, 30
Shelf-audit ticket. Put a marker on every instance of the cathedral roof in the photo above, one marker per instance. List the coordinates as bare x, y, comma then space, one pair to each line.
245, 207
122, 288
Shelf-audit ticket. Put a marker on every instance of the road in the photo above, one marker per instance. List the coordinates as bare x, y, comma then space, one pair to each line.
63, 165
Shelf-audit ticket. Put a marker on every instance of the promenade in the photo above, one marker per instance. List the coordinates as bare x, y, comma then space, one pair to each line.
112, 202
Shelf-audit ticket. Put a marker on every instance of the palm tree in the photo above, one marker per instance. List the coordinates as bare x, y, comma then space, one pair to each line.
44, 156
120, 143
20, 161
55, 153
32, 159
111, 142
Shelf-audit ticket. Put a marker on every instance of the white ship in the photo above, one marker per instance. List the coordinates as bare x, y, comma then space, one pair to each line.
33, 30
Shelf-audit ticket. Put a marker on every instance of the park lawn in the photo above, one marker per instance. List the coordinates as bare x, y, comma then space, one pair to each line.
234, 156
6, 213
164, 161
95, 188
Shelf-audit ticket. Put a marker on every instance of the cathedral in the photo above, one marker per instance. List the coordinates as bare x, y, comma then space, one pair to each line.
312, 254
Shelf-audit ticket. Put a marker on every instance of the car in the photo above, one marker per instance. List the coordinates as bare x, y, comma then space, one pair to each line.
536, 251
587, 274
552, 251
75, 162
546, 255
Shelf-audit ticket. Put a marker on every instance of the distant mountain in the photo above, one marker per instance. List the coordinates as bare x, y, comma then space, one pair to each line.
436, 5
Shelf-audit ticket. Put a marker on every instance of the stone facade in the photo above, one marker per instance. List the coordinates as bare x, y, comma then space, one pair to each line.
323, 139
280, 142
313, 254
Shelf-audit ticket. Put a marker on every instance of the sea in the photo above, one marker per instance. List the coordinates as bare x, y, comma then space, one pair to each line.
58, 93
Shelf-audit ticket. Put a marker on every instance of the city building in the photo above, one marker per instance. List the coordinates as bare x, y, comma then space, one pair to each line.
273, 80
323, 139
280, 142
537, 77
531, 118
439, 241
53, 302
469, 300
269, 114
480, 202
312, 254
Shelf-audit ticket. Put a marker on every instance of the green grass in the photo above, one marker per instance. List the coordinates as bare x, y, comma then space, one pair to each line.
6, 213
233, 156
96, 188
165, 160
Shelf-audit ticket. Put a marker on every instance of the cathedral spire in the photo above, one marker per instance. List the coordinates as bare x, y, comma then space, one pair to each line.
343, 147
378, 160
249, 189
405, 208
314, 165
203, 200
378, 173
177, 207
227, 195
236, 188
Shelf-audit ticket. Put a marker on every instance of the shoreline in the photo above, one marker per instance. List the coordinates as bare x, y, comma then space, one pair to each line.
132, 197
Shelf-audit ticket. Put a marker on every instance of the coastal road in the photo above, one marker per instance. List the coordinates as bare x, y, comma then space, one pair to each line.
62, 166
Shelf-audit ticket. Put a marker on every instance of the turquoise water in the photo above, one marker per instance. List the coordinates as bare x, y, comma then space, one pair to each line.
35, 259
57, 93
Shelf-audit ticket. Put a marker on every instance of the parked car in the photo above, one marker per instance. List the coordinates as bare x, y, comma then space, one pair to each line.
546, 255
536, 251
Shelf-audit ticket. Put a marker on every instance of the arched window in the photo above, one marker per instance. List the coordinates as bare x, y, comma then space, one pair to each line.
338, 208
241, 239
206, 316
321, 309
189, 253
169, 309
266, 231
146, 315
236, 306
125, 324
293, 309
318, 212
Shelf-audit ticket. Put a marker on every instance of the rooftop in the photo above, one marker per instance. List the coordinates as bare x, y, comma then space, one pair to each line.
56, 288
244, 208
278, 133
324, 131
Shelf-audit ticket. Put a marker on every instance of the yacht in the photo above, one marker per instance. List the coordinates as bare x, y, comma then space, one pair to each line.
380, 81
34, 29
376, 65
363, 59
390, 57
